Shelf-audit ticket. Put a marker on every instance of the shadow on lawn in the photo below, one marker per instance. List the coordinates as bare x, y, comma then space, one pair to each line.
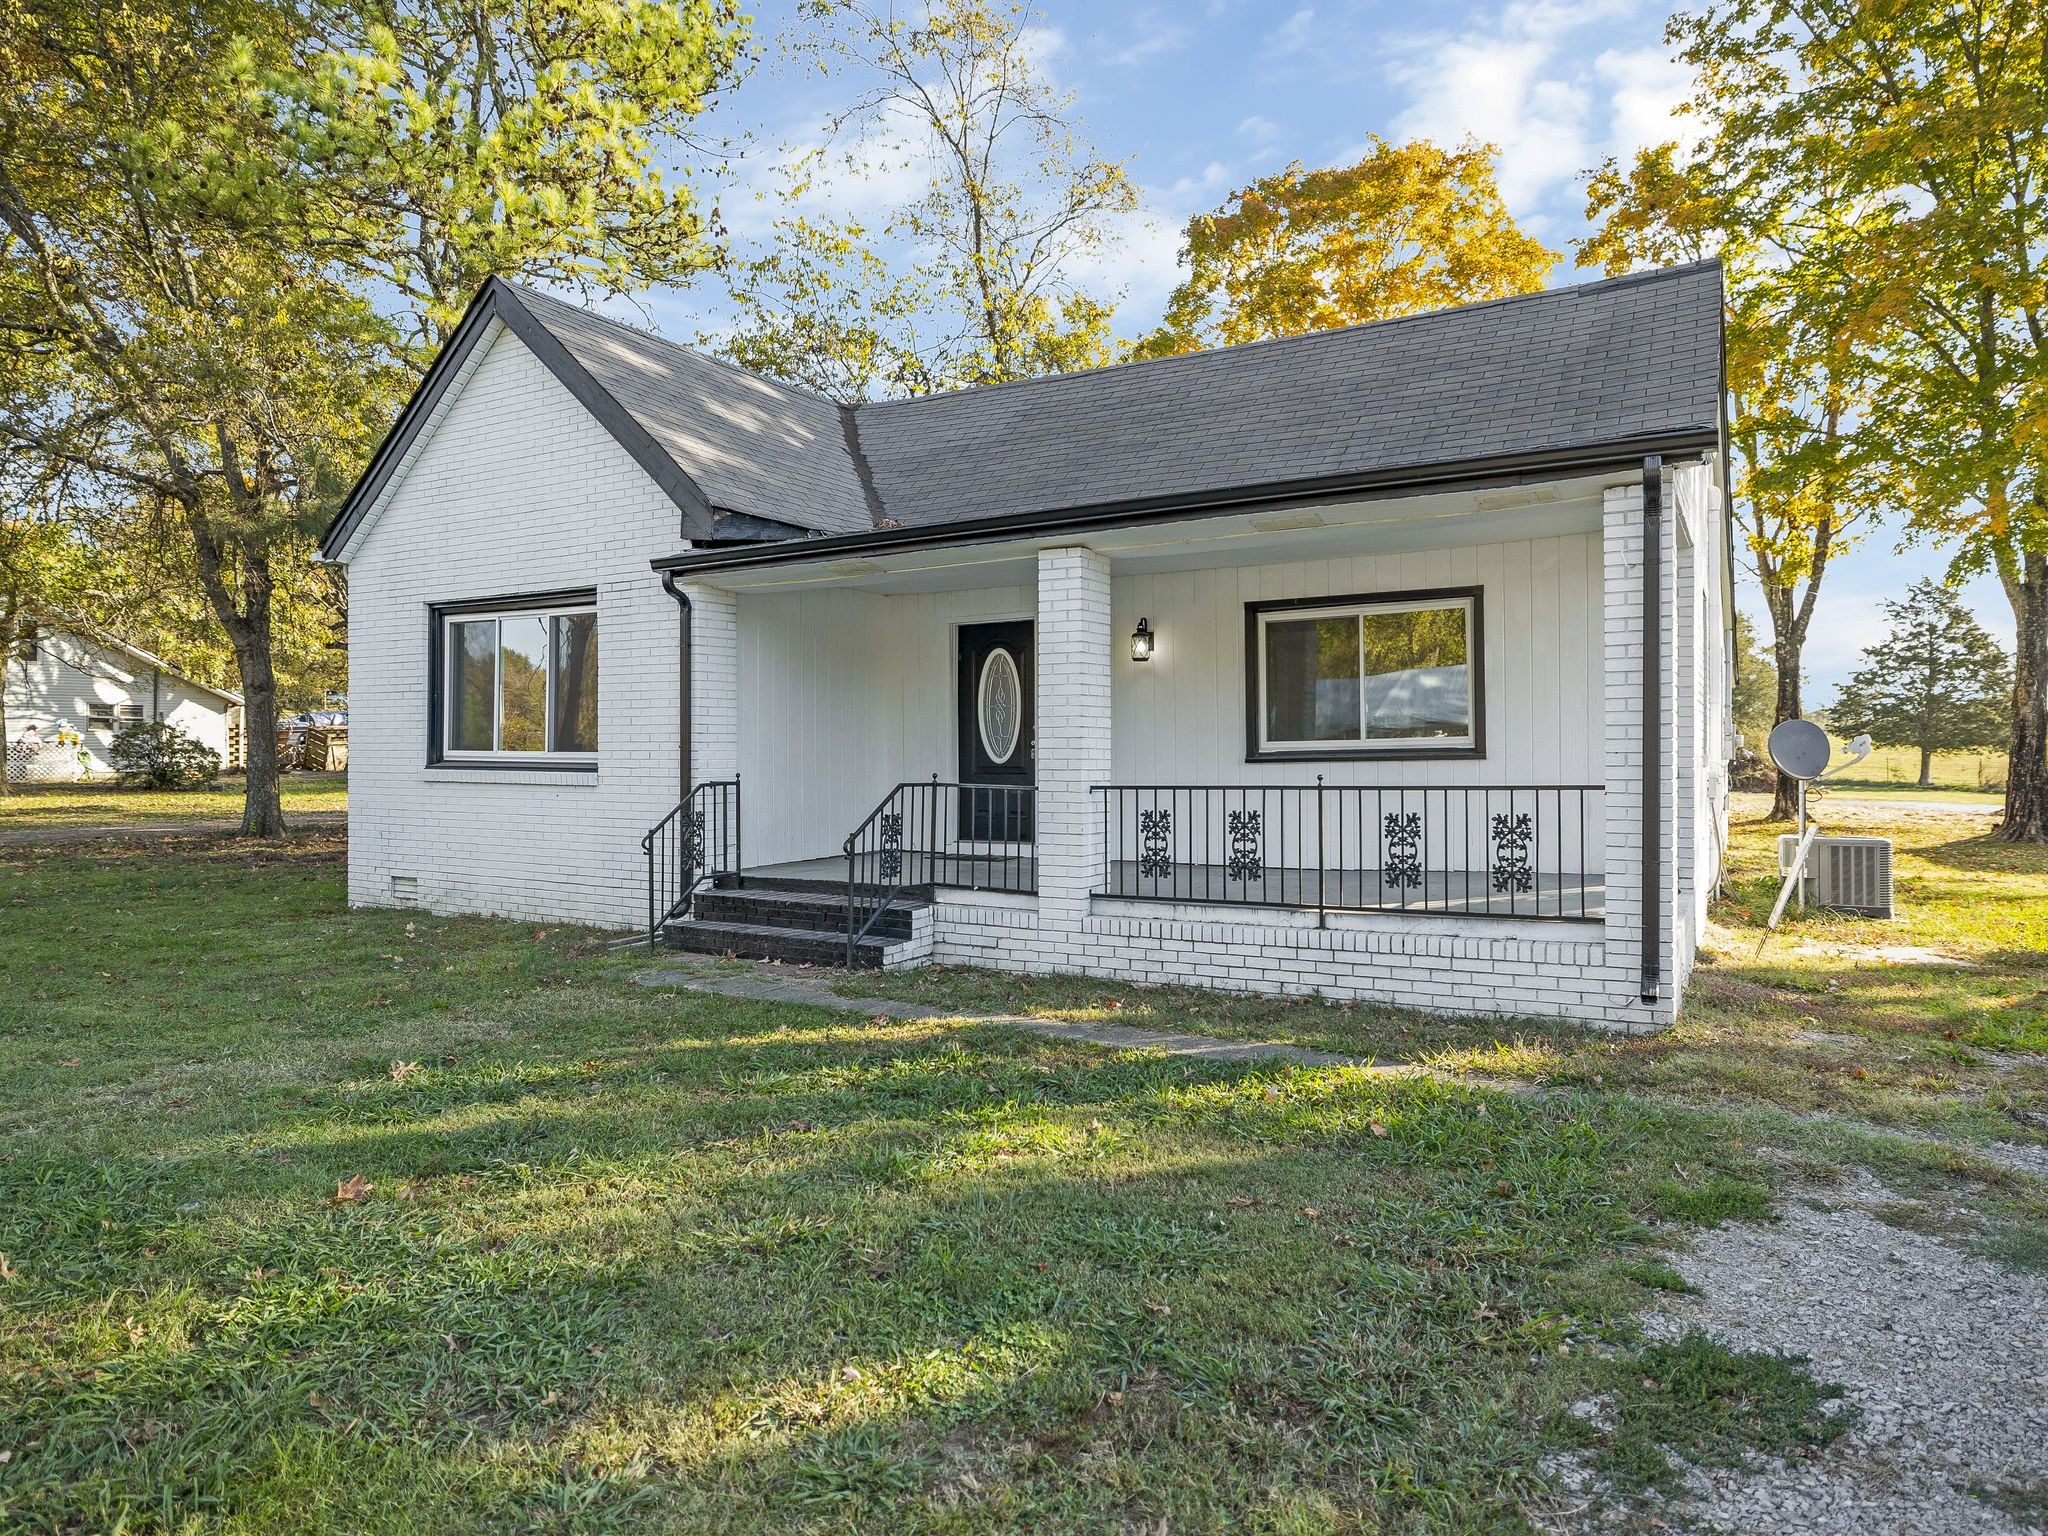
862, 1271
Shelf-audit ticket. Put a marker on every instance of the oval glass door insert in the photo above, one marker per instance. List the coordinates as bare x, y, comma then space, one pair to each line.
999, 705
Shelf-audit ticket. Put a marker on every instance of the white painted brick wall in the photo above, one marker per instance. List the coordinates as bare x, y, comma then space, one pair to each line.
517, 490
1074, 732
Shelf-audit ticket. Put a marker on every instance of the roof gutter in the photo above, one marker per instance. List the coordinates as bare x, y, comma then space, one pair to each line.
1461, 474
671, 584
1652, 728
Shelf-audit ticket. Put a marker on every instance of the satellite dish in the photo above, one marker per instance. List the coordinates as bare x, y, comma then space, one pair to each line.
1800, 749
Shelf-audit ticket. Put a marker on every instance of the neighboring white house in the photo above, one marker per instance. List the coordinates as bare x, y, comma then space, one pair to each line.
94, 685
1389, 662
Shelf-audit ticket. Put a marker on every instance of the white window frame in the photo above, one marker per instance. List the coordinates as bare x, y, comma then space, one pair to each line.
1471, 744
497, 756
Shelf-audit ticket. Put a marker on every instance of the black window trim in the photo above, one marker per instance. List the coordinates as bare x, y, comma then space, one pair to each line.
1254, 685
438, 615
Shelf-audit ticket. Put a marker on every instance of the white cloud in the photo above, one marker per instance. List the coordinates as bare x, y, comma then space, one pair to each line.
1186, 190
1293, 35
1647, 89
1262, 132
1155, 36
1530, 77
1139, 259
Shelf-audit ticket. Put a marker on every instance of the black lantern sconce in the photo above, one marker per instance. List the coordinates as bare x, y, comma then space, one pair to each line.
1141, 641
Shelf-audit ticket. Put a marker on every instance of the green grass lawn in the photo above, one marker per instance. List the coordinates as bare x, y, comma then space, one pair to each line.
104, 802
330, 1221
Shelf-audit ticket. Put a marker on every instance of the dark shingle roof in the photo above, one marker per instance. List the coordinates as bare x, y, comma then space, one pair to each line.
1612, 362
752, 444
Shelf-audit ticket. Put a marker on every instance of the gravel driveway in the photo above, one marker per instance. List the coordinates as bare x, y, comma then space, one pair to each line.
1944, 1353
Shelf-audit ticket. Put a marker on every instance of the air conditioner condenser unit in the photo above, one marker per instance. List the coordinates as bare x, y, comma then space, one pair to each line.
1844, 874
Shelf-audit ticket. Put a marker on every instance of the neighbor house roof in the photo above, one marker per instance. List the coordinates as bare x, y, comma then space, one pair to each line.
100, 639
1629, 364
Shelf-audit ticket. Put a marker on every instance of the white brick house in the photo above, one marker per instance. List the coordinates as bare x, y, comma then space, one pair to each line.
1390, 662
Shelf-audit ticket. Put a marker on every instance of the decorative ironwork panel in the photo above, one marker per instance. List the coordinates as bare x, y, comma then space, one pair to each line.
890, 864
1247, 845
1512, 870
692, 831
1155, 851
1401, 861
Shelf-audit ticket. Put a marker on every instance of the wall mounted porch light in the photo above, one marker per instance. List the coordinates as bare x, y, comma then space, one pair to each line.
1141, 641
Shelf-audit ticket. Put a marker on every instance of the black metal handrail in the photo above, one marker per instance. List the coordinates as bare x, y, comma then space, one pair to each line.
1520, 850
696, 842
927, 833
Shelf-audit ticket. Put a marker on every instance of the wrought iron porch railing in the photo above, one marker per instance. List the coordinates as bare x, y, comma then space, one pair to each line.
932, 833
1527, 851
698, 841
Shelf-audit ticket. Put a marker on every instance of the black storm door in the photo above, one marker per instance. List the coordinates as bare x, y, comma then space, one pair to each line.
996, 729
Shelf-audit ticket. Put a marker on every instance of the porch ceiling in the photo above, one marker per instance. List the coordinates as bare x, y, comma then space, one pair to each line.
1381, 525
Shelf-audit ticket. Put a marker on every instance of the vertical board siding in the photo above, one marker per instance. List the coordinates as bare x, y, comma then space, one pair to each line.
844, 694
1180, 718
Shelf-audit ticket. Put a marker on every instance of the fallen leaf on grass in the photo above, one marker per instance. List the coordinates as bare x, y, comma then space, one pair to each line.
1380, 1130
7, 1270
401, 1070
1158, 1309
353, 1188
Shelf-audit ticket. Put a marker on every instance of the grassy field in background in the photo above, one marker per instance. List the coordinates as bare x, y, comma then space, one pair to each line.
1899, 768
103, 802
379, 1222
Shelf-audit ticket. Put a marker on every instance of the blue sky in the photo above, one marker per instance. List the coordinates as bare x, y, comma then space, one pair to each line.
1204, 95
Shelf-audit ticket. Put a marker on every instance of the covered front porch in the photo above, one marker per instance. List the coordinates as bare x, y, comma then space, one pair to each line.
1388, 711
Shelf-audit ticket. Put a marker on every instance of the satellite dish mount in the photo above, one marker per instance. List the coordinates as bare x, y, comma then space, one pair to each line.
1800, 750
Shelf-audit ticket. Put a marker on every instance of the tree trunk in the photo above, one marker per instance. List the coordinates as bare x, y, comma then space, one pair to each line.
248, 629
262, 809
2026, 770
1926, 767
1785, 653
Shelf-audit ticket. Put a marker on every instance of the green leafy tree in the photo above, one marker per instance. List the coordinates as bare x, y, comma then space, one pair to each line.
977, 278
1934, 119
1799, 357
440, 142
1938, 682
159, 317
1756, 687
1408, 228
207, 208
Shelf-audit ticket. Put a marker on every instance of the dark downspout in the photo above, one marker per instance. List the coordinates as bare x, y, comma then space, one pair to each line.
670, 586
1653, 724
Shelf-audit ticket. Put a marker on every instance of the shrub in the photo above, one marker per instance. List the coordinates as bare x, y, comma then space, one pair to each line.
157, 755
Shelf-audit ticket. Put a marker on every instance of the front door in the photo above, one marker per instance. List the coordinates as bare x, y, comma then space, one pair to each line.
996, 728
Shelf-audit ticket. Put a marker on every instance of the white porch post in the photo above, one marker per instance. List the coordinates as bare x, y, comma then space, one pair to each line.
1074, 658
714, 683
1625, 551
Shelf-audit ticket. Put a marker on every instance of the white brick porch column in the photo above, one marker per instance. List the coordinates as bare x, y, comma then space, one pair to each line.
1074, 657
714, 683
1624, 552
